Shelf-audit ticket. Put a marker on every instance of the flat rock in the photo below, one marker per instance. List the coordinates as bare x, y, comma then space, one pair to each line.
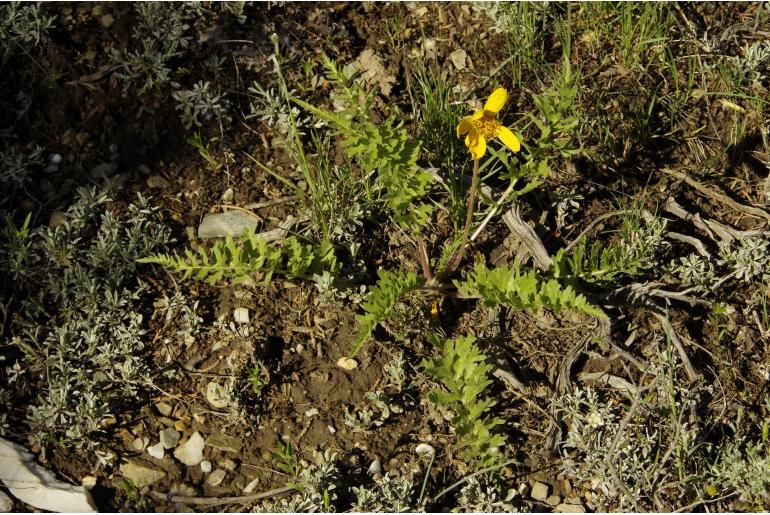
229, 223
539, 491
569, 508
224, 443
140, 473
191, 452
553, 500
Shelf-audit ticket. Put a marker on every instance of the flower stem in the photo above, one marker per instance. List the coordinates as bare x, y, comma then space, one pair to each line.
456, 258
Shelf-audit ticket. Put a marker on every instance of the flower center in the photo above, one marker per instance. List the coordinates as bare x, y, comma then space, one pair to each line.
486, 126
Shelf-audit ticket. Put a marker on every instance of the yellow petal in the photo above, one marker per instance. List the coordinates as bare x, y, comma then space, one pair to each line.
464, 126
477, 146
496, 100
478, 115
508, 138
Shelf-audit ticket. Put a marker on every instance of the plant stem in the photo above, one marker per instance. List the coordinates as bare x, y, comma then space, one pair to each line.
460, 253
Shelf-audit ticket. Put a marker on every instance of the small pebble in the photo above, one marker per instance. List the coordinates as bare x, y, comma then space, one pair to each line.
241, 315
216, 477
157, 181
228, 464
164, 408
347, 363
553, 500
227, 196
376, 467
539, 491
424, 449
156, 451
140, 443
55, 159
251, 486
169, 437
205, 466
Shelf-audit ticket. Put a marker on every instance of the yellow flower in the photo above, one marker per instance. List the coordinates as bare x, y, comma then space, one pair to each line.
483, 126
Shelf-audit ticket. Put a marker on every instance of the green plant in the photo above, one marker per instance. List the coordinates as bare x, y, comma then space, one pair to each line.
462, 370
22, 26
745, 470
390, 287
250, 254
257, 379
202, 147
522, 290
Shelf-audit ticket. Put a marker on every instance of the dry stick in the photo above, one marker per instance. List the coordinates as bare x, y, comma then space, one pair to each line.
422, 253
719, 197
455, 260
218, 501
669, 330
695, 242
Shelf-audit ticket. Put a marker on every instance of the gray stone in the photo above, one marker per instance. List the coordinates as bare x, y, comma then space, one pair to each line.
539, 491
229, 223
140, 473
169, 437
225, 443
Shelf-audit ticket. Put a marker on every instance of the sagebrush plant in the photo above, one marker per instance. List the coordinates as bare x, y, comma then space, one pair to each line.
79, 347
16, 165
22, 26
200, 104
161, 33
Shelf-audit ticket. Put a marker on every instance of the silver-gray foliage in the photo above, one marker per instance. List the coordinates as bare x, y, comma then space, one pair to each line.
78, 332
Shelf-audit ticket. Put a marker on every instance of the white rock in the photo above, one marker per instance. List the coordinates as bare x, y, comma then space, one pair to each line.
424, 449
228, 195
375, 467
216, 477
156, 451
191, 452
539, 491
241, 315
312, 412
140, 443
251, 486
38, 487
205, 466
164, 408
347, 363
169, 437
55, 159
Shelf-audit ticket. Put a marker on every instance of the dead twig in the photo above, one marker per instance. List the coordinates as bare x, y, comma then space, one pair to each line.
695, 242
718, 196
671, 334
219, 501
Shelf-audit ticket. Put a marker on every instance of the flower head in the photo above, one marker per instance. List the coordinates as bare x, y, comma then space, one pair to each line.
483, 126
